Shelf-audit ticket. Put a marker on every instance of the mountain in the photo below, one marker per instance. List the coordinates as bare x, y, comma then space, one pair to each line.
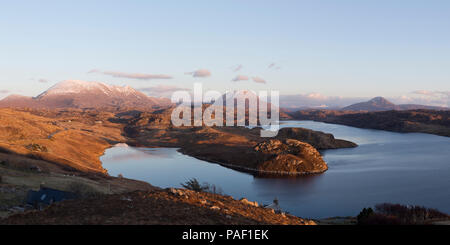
382, 104
375, 104
82, 94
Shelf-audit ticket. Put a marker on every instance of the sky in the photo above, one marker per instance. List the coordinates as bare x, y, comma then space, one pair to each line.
348, 48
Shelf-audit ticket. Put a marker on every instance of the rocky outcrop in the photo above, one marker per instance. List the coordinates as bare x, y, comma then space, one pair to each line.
289, 157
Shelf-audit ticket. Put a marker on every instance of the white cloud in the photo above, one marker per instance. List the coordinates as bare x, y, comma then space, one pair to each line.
140, 76
200, 73
258, 80
240, 78
238, 68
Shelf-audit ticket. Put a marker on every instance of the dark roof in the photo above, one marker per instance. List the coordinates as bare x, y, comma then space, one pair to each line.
48, 196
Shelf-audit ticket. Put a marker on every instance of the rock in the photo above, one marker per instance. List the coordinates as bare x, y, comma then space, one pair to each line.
214, 208
35, 169
245, 201
176, 192
126, 199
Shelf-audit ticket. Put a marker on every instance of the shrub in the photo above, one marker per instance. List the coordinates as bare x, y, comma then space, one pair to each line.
364, 215
194, 184
397, 214
37, 148
410, 214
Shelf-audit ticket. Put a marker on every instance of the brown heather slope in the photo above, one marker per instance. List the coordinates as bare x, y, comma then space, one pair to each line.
56, 149
70, 139
158, 207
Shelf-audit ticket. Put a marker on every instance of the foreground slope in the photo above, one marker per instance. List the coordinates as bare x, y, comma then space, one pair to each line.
158, 207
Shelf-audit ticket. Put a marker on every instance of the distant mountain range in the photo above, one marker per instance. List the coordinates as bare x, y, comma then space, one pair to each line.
82, 94
382, 104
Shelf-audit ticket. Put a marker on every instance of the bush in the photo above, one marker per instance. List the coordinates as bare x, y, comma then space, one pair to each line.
37, 148
364, 215
410, 214
397, 214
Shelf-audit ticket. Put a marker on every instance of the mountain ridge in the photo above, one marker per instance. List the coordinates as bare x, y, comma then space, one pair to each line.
381, 104
83, 94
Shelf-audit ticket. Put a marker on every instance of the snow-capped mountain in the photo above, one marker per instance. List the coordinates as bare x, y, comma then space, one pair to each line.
79, 87
82, 94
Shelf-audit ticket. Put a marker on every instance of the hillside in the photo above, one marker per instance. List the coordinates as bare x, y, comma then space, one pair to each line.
420, 121
75, 139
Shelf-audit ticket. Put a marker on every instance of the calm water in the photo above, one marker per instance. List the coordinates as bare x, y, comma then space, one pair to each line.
386, 167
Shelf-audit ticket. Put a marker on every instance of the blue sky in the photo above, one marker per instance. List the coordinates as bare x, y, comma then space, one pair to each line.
336, 48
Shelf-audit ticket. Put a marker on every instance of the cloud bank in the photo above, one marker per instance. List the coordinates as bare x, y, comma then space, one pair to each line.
317, 100
162, 90
425, 97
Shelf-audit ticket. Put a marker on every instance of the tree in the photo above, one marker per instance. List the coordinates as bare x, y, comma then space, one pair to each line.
194, 185
364, 215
